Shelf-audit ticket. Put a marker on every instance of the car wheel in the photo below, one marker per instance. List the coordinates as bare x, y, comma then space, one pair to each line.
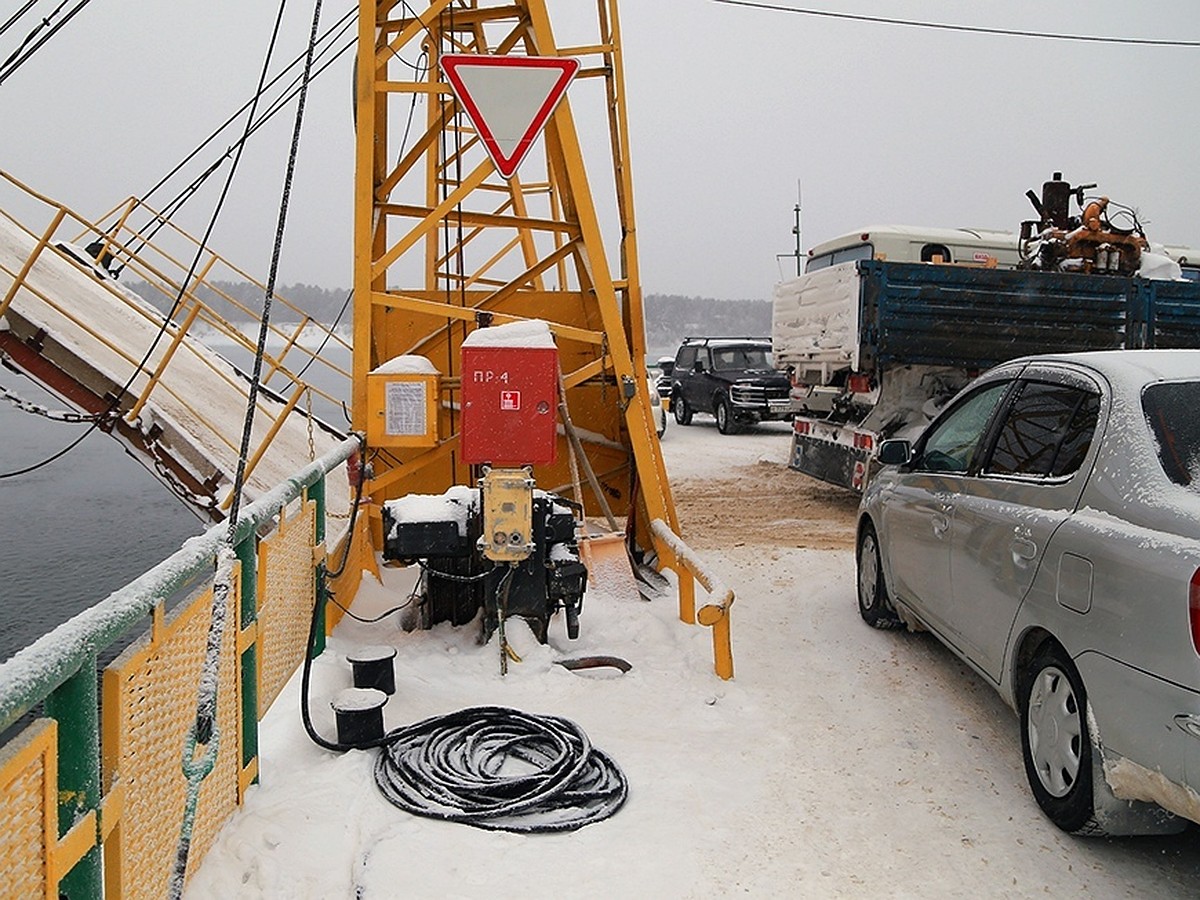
725, 421
683, 412
873, 603
1056, 742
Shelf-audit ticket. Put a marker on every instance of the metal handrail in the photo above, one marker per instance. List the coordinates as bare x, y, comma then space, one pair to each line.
39, 669
688, 565
119, 243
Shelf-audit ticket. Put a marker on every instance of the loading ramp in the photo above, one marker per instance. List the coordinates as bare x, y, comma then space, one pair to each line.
177, 404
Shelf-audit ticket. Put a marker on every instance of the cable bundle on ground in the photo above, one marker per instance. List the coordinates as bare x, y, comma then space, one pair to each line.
500, 769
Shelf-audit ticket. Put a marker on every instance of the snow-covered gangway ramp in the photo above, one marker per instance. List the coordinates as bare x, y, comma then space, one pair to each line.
67, 322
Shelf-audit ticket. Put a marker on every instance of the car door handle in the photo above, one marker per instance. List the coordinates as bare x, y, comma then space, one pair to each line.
1023, 548
940, 520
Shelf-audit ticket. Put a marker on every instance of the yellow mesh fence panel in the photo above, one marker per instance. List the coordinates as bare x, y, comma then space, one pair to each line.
286, 592
149, 707
28, 812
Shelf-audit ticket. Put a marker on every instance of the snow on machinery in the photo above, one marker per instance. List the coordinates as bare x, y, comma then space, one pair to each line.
451, 240
501, 547
876, 340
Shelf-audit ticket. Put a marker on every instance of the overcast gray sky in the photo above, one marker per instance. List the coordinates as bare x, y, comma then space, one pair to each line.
730, 108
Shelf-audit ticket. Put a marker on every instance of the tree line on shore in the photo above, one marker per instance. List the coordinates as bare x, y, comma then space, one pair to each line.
669, 317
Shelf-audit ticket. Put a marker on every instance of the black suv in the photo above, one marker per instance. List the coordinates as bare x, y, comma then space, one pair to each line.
730, 377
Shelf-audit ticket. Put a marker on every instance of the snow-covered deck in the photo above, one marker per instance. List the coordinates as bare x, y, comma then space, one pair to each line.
840, 761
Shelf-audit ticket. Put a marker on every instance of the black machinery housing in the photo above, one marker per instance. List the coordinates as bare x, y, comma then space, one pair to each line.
458, 580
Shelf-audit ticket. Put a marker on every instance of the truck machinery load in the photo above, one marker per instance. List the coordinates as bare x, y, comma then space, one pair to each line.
1088, 243
875, 348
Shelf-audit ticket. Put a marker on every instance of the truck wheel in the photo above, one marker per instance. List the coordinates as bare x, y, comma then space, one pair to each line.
725, 420
1055, 741
873, 603
683, 412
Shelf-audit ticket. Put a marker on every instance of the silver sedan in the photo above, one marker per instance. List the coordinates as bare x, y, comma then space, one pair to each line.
1046, 528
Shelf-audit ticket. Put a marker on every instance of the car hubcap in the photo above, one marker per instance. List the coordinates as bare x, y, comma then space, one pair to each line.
868, 573
1055, 736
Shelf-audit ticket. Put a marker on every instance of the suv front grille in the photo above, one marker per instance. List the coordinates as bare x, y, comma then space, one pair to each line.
758, 395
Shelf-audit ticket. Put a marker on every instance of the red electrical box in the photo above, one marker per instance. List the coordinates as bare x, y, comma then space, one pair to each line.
509, 403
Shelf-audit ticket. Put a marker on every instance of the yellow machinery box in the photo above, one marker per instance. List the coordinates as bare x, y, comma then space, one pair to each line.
402, 409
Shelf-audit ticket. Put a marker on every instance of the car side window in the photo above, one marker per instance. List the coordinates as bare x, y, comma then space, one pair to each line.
1046, 432
685, 360
955, 440
1169, 408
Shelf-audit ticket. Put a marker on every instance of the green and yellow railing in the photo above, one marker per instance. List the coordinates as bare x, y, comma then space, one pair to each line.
97, 773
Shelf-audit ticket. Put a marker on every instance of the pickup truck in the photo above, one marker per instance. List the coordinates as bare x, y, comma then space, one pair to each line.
875, 348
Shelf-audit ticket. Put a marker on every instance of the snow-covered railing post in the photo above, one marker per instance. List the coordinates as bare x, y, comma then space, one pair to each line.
19, 280
714, 614
73, 705
316, 493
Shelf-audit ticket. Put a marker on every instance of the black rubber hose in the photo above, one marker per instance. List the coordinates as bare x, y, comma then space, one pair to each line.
500, 769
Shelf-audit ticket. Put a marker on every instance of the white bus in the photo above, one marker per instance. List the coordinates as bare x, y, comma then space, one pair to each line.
907, 243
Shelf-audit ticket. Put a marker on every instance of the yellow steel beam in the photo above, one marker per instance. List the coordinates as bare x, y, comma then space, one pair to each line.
469, 314
487, 220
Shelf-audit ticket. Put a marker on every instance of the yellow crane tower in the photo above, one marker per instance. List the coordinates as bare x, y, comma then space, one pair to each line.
445, 244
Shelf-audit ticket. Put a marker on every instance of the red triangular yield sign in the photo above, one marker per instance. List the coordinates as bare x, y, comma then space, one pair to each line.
509, 99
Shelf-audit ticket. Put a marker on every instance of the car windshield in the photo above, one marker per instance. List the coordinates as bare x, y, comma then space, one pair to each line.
725, 358
1170, 412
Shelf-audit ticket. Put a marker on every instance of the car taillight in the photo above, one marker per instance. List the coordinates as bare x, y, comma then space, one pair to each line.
860, 384
863, 441
801, 427
1194, 609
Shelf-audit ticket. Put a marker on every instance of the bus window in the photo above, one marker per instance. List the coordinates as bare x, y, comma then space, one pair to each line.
936, 253
906, 243
845, 254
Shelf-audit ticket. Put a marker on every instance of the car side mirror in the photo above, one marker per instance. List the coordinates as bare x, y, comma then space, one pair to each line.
895, 452
668, 368
699, 366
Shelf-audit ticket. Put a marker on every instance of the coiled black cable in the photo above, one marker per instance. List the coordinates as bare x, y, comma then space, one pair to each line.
500, 769
453, 767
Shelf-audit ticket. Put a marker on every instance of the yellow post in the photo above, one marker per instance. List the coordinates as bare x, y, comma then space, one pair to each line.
270, 436
180, 333
37, 251
717, 618
687, 592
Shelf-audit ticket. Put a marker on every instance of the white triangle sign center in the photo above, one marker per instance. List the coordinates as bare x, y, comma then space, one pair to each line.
509, 99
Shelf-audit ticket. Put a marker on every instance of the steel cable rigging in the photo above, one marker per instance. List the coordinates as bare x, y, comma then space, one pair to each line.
34, 41
970, 29
329, 41
204, 732
12, 20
